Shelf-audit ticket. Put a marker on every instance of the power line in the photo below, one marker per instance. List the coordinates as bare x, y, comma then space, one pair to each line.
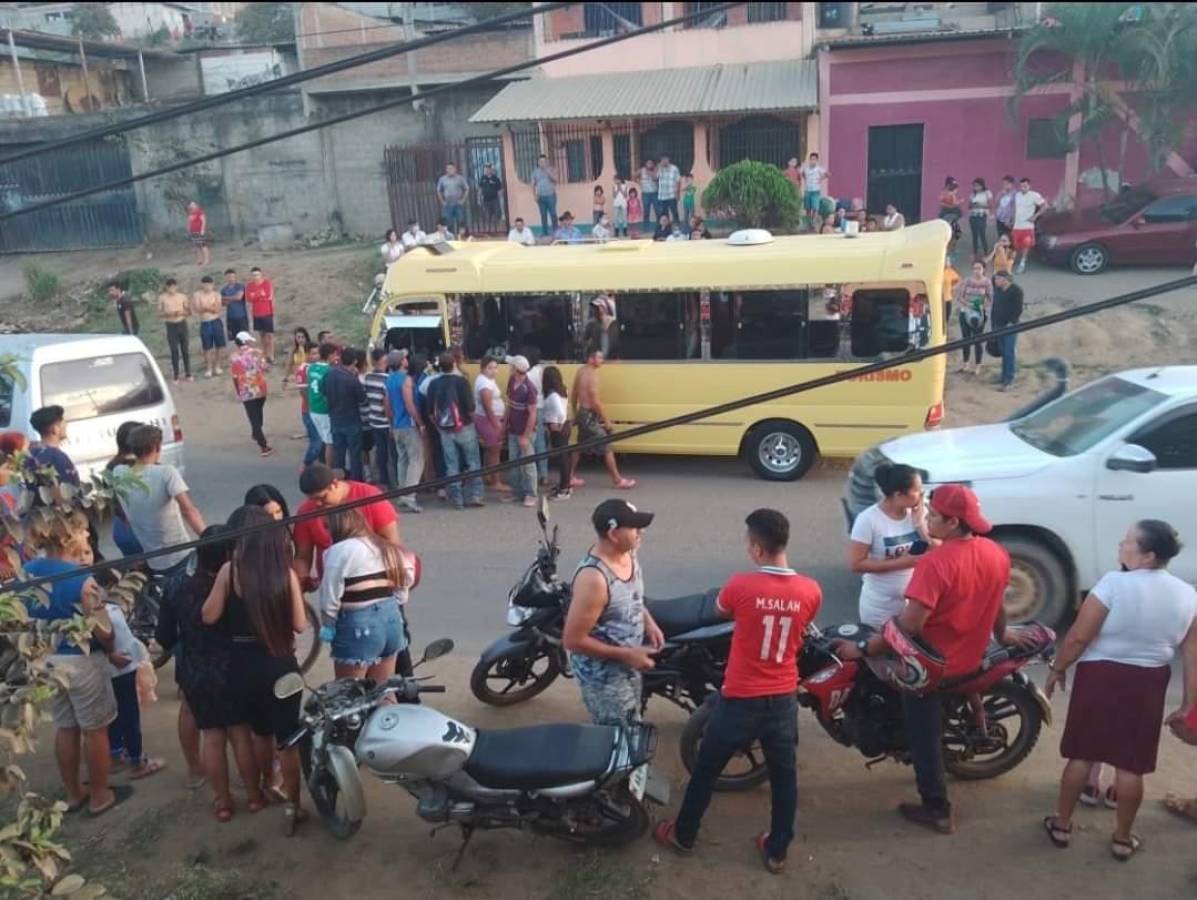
275, 84
641, 430
347, 117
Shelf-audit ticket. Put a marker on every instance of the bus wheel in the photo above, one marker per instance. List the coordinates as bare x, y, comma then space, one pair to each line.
780, 451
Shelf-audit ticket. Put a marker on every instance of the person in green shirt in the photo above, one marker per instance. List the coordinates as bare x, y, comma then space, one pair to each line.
689, 196
317, 402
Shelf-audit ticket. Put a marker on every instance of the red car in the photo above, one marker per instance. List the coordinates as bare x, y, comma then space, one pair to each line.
1154, 223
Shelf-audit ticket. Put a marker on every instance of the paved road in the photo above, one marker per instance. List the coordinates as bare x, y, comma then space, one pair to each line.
472, 558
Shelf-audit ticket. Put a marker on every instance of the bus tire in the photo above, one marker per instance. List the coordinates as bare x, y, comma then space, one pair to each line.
779, 450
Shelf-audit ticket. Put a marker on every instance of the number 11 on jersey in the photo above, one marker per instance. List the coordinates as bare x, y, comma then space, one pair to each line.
783, 625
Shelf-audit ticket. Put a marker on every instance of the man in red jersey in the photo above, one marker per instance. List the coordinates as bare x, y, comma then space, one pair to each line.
771, 607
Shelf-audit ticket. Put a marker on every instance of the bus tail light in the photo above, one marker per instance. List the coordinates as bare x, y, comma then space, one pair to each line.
177, 427
934, 416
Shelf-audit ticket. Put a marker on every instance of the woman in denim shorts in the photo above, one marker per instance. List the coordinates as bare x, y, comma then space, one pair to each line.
366, 581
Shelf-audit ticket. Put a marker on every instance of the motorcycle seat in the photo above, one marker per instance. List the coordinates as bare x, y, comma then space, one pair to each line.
682, 614
541, 756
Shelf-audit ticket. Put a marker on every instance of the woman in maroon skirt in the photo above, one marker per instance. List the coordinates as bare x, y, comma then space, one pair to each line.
1123, 641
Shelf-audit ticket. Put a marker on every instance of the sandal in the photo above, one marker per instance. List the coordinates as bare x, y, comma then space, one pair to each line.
295, 816
120, 794
665, 834
625, 484
194, 783
1179, 806
774, 866
147, 768
1090, 796
257, 804
222, 811
1055, 830
78, 805
1110, 798
1124, 850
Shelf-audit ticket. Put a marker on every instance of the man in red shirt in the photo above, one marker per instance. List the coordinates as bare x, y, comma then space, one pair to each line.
260, 293
772, 608
954, 603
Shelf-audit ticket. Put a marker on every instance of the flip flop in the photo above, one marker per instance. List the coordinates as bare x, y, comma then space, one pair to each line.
625, 484
120, 794
148, 768
772, 866
1053, 829
222, 811
194, 784
665, 834
79, 805
1124, 850
1180, 807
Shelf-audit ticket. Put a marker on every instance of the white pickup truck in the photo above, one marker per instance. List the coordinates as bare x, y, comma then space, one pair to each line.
1062, 483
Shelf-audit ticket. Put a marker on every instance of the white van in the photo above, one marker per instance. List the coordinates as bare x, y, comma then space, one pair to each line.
100, 380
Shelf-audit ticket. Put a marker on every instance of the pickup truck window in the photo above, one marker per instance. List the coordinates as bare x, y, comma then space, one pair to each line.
1080, 420
1174, 443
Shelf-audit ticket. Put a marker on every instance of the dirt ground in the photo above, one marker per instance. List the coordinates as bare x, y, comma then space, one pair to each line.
850, 844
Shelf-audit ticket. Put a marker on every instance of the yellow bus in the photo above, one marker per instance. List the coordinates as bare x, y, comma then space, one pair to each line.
699, 323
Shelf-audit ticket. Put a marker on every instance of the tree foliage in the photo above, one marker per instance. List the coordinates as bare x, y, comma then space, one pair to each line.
1148, 50
483, 11
266, 23
753, 195
93, 22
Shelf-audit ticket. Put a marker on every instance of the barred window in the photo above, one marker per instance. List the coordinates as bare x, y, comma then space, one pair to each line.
673, 139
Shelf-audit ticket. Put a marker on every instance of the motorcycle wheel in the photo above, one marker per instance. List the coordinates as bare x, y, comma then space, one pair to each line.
604, 820
743, 772
325, 793
513, 679
1006, 704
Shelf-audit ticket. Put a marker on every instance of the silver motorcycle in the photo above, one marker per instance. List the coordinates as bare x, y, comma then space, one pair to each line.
587, 784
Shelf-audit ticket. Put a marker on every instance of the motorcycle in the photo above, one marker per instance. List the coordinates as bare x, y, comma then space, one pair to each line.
859, 710
586, 784
522, 664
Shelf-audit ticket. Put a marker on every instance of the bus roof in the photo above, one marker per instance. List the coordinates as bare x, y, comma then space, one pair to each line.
910, 254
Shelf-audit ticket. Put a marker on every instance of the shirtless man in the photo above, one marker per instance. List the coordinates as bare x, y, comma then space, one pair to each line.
173, 309
588, 412
207, 306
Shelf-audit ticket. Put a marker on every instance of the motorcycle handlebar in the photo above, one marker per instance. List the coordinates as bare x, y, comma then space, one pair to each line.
432, 689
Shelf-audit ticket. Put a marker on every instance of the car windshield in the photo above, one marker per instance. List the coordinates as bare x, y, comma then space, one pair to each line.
1079, 420
1126, 204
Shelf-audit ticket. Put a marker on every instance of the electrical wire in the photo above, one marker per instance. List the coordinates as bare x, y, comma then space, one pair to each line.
340, 65
640, 430
357, 114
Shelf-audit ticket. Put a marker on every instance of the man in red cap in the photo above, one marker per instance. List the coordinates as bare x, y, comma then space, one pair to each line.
954, 603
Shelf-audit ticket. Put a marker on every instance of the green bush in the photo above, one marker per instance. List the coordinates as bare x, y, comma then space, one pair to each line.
138, 282
41, 285
753, 195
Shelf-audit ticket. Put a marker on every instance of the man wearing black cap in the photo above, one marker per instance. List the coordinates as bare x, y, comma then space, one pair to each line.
607, 624
954, 603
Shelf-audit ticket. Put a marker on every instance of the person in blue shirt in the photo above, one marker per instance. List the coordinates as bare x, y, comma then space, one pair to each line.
82, 711
50, 424
566, 230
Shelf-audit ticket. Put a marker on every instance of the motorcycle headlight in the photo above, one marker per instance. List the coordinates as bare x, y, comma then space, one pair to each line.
518, 615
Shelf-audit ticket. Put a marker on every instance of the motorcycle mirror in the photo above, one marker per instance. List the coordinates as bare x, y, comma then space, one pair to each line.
288, 686
437, 649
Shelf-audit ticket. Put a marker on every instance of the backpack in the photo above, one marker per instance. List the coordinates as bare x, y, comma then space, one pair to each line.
445, 410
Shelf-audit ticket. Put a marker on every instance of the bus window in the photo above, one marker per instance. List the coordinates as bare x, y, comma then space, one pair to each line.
484, 325
880, 322
828, 323
770, 324
651, 326
542, 321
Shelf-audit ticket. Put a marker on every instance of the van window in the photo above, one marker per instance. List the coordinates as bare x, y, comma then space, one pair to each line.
651, 326
881, 323
769, 324
101, 385
6, 392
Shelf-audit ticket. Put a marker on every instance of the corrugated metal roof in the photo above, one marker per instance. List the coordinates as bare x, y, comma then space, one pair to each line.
922, 37
742, 87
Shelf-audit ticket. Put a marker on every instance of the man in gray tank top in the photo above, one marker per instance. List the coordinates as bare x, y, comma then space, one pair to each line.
608, 625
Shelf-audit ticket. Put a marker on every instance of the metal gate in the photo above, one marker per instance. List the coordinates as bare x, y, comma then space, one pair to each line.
109, 219
896, 169
412, 173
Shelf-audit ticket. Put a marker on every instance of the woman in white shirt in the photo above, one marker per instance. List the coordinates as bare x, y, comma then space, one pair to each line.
882, 540
489, 421
1122, 642
392, 247
366, 580
556, 420
980, 204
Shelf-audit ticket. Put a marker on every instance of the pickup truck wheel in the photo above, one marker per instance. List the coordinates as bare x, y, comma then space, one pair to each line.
1038, 586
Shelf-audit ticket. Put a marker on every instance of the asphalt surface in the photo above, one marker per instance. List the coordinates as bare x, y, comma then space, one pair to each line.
472, 558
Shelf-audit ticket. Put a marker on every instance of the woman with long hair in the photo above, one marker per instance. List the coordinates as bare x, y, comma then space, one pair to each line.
122, 534
490, 420
301, 341
366, 579
556, 420
269, 498
258, 599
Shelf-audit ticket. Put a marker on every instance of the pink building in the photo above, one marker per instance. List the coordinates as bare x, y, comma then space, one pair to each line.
900, 113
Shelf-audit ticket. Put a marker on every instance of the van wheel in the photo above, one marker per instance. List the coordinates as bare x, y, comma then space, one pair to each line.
780, 451
1089, 259
1038, 588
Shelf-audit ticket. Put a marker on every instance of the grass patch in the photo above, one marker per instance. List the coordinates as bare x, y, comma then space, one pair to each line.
597, 876
41, 285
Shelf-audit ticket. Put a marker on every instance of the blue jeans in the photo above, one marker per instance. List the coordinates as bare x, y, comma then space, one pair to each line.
315, 446
734, 724
669, 206
454, 216
124, 538
540, 443
384, 457
548, 213
523, 479
369, 635
650, 204
924, 734
347, 439
124, 734
1009, 361
465, 443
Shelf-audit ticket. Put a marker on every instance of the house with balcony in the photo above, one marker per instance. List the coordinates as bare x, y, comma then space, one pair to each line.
733, 85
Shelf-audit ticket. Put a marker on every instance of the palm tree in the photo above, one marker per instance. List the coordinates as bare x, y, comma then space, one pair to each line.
1149, 48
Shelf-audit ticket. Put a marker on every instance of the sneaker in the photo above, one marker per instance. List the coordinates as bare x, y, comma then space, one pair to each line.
940, 820
219, 370
775, 866
1022, 267
476, 504
1090, 795
665, 834
560, 495
530, 503
267, 451
411, 508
